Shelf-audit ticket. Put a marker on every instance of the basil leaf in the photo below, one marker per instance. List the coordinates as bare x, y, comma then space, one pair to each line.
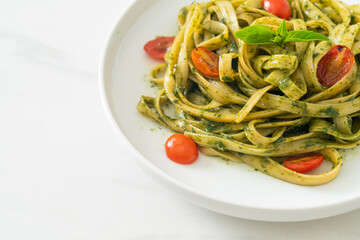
282, 30
304, 36
279, 41
256, 35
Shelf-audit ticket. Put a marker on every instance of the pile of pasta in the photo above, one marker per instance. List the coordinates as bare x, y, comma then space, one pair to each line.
267, 103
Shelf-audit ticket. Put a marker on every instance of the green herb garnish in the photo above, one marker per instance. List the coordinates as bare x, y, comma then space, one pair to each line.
228, 79
260, 35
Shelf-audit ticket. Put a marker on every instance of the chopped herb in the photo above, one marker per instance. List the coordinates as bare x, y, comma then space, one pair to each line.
315, 55
210, 126
280, 140
330, 112
227, 79
220, 146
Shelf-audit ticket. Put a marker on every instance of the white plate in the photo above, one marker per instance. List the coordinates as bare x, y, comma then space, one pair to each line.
229, 188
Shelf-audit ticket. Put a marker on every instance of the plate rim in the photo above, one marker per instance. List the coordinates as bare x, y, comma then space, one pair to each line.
189, 193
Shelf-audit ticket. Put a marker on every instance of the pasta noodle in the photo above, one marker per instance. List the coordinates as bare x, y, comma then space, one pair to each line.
267, 102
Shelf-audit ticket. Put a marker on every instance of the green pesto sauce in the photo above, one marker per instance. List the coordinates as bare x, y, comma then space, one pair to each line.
220, 146
228, 79
330, 112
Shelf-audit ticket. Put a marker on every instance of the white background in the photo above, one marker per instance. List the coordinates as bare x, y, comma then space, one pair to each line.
64, 174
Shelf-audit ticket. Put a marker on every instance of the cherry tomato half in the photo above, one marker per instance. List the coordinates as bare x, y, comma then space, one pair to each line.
335, 65
181, 149
206, 61
280, 8
304, 163
159, 46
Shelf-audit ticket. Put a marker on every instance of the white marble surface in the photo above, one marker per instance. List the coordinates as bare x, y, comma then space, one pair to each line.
64, 174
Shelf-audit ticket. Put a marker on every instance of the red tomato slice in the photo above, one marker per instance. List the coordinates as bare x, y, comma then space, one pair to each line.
304, 163
159, 46
335, 65
181, 149
280, 8
206, 61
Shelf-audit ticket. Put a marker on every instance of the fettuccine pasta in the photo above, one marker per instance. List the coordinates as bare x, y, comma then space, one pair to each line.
267, 102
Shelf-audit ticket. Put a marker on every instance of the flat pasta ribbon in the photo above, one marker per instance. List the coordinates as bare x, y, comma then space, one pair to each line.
267, 102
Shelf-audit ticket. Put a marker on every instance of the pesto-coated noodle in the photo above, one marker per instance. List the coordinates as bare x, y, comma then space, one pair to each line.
267, 102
